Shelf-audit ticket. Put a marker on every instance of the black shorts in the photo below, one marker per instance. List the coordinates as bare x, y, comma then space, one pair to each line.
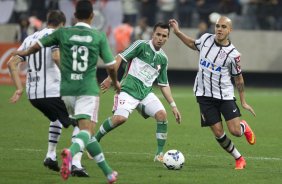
54, 109
212, 108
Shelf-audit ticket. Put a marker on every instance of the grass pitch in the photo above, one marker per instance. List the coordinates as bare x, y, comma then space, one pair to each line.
130, 148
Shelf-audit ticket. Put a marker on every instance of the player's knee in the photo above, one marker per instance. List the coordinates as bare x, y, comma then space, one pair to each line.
218, 133
217, 130
118, 120
85, 124
234, 127
161, 115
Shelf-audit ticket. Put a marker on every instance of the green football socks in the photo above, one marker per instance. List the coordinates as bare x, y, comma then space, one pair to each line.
161, 135
106, 127
82, 139
95, 150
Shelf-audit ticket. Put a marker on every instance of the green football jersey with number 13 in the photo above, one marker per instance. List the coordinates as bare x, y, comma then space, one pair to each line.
80, 46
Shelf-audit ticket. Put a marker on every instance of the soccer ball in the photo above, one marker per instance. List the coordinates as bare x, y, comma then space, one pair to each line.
173, 160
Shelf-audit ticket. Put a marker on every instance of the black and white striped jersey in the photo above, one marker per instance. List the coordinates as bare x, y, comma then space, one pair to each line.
43, 76
217, 64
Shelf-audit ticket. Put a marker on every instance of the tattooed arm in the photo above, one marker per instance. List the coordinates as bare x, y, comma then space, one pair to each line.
239, 82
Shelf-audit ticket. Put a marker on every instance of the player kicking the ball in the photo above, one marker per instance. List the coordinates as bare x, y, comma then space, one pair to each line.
146, 62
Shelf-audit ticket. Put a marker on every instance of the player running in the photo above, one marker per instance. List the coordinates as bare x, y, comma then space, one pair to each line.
219, 60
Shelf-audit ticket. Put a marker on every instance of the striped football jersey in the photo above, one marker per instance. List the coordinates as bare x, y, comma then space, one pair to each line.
43, 75
217, 64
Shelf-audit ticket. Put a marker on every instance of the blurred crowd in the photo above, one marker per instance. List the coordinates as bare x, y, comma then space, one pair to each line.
252, 14
140, 15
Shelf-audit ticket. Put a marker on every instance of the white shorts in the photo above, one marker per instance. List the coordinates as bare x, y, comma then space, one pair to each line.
124, 104
83, 107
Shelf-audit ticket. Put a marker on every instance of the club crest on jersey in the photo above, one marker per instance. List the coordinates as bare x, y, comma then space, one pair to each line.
221, 54
209, 65
121, 102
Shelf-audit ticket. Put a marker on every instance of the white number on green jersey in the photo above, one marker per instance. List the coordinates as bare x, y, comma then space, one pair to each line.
83, 51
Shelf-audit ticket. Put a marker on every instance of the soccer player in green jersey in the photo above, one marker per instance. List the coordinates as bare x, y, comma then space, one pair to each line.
80, 47
146, 62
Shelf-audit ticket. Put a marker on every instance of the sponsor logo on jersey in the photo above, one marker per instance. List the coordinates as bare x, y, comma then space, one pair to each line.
158, 67
78, 38
237, 59
209, 65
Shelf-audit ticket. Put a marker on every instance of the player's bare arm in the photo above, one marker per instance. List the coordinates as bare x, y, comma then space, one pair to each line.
33, 49
13, 68
168, 96
112, 72
106, 84
56, 57
239, 82
183, 37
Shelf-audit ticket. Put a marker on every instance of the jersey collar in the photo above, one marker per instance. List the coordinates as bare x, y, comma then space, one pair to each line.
82, 24
152, 47
219, 45
49, 28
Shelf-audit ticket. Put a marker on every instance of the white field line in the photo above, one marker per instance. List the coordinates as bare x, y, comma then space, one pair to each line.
148, 154
250, 94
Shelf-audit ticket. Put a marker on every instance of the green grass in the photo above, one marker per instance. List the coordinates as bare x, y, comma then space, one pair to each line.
130, 148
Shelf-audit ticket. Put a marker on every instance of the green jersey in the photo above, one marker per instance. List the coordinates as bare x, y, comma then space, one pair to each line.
80, 47
144, 66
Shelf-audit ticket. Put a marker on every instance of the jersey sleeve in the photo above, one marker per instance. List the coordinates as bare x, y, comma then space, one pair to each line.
199, 42
131, 51
162, 78
235, 63
23, 47
105, 51
50, 40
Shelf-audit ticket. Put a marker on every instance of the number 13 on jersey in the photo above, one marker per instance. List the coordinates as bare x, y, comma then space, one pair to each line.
79, 61
82, 65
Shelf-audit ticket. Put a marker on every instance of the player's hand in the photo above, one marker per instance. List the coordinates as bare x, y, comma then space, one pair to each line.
106, 84
117, 87
249, 108
16, 96
176, 114
174, 24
